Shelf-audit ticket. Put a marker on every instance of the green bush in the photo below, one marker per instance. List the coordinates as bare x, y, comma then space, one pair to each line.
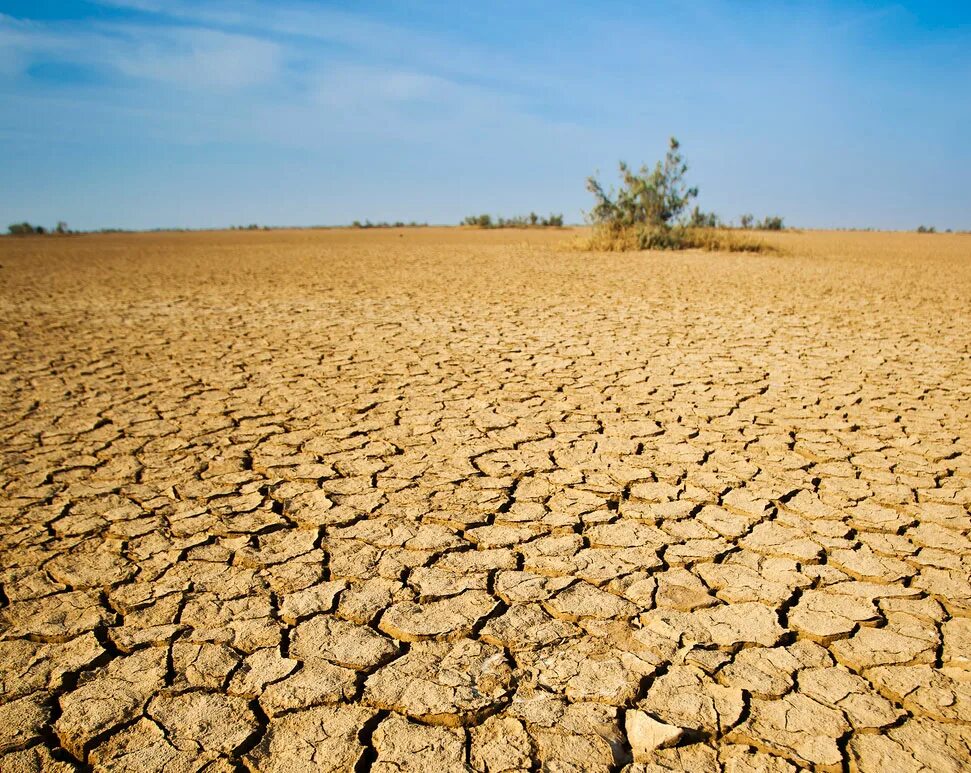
383, 224
655, 199
926, 229
768, 223
532, 220
701, 219
25, 229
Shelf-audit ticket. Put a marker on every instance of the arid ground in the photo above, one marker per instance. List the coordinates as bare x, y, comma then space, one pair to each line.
441, 500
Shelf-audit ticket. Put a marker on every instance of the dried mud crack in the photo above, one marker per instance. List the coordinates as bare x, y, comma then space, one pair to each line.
470, 501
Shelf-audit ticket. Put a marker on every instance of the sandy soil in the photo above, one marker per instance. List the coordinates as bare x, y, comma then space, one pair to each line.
447, 500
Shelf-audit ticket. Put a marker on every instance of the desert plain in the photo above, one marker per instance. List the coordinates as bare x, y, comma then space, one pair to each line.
447, 500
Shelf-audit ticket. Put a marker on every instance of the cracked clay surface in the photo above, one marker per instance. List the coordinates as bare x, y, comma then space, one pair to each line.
451, 500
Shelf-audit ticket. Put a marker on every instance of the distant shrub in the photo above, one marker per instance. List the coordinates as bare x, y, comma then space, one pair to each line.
768, 223
532, 220
926, 229
701, 219
382, 224
25, 229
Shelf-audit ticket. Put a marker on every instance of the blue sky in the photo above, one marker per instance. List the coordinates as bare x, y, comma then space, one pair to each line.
198, 113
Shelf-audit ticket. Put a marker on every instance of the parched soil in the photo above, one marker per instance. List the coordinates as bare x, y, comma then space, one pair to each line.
442, 500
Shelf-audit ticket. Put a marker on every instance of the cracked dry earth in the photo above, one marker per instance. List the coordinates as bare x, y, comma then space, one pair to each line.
453, 500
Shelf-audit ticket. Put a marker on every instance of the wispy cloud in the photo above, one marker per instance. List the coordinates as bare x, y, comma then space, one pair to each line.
335, 75
356, 36
197, 58
193, 58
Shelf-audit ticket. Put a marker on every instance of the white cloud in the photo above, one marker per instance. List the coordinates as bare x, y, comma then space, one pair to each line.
321, 94
370, 40
191, 58
197, 59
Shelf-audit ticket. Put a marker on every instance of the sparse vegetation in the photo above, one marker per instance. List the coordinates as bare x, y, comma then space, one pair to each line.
25, 229
926, 229
650, 212
768, 223
383, 224
675, 238
532, 220
701, 219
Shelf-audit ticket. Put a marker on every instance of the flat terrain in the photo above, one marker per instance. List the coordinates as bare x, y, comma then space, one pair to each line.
438, 500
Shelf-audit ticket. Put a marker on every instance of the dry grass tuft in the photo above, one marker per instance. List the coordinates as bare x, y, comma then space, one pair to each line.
608, 238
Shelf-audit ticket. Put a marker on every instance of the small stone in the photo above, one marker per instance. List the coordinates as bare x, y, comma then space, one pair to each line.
646, 735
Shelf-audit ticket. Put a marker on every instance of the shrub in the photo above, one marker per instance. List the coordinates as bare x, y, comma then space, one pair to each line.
768, 223
653, 199
701, 219
479, 221
25, 229
926, 229
384, 224
532, 220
